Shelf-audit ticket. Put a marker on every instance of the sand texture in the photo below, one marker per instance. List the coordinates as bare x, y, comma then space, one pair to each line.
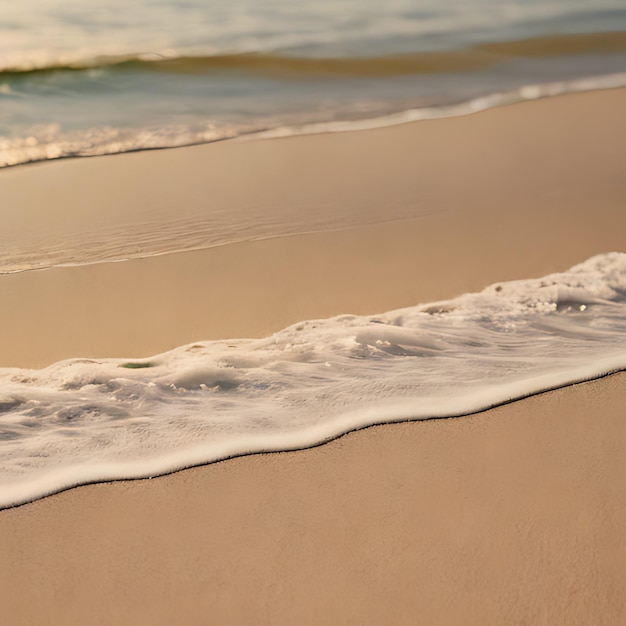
510, 193
512, 516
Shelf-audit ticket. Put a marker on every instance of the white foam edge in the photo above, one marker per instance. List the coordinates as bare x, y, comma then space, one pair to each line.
522, 94
388, 413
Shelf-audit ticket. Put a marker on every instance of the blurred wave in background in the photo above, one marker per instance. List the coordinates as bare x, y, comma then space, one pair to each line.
107, 76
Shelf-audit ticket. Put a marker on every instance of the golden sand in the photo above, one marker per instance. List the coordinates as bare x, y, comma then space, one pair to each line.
512, 516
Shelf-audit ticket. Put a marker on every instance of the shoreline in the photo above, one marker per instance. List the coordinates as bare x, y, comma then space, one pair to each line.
509, 515
312, 129
519, 95
465, 216
620, 373
512, 512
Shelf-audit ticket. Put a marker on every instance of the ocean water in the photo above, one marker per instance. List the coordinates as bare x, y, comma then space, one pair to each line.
106, 76
85, 79
86, 420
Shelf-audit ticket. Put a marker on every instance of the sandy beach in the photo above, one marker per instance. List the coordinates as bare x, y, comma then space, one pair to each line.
511, 516
510, 193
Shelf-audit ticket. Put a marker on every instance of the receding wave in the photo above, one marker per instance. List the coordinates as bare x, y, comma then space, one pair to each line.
93, 420
475, 57
100, 141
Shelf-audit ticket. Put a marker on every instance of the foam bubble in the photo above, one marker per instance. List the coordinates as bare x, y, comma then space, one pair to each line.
85, 420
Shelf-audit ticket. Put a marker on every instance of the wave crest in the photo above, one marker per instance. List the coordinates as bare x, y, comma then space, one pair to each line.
474, 57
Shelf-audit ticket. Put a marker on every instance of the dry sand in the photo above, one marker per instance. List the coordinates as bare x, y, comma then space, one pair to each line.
514, 192
513, 516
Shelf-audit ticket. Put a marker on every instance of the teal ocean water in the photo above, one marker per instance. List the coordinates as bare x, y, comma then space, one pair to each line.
107, 76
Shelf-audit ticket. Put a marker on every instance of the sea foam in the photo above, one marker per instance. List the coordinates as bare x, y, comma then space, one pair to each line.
86, 420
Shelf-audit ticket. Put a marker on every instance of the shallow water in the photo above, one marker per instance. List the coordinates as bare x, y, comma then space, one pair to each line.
83, 420
104, 77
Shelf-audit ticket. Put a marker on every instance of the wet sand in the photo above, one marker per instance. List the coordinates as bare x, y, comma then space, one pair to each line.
512, 516
510, 193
